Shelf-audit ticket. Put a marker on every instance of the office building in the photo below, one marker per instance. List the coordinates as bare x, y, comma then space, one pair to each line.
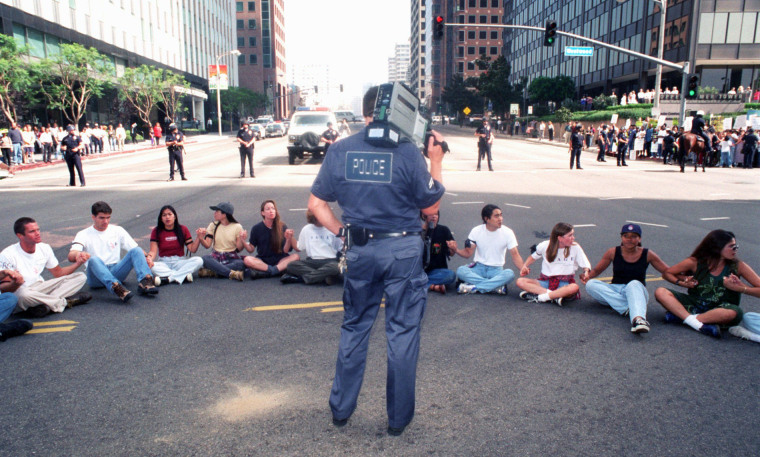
398, 65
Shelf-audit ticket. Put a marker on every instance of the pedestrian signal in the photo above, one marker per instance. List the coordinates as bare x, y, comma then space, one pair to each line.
438, 27
550, 33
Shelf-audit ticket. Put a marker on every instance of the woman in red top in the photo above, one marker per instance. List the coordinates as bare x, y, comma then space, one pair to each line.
167, 249
157, 133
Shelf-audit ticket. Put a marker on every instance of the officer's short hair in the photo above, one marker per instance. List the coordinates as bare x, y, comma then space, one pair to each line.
101, 207
487, 211
368, 104
19, 227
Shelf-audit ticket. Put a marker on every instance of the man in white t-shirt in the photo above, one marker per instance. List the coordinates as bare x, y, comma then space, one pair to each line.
490, 243
30, 256
101, 245
320, 262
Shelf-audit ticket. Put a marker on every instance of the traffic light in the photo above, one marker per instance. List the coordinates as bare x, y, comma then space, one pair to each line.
438, 28
550, 33
693, 88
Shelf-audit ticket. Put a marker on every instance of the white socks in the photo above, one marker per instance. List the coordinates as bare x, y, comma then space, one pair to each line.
544, 297
692, 322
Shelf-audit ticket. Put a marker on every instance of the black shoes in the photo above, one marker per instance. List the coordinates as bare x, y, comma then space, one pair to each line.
291, 279
339, 422
256, 274
393, 431
15, 328
38, 311
79, 298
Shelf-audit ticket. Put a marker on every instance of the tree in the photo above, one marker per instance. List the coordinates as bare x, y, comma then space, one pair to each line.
14, 77
174, 87
240, 102
459, 95
545, 89
494, 85
70, 79
141, 88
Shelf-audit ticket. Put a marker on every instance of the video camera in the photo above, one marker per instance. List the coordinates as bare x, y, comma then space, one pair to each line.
398, 116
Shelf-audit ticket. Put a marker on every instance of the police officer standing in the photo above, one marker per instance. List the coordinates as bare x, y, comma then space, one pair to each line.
380, 196
246, 137
485, 140
175, 144
576, 144
329, 136
71, 145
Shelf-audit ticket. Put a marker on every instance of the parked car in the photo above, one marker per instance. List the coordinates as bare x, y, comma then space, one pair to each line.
347, 115
305, 133
275, 129
258, 130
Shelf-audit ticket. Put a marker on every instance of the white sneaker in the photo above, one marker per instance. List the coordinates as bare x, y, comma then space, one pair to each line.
465, 288
157, 280
741, 332
189, 277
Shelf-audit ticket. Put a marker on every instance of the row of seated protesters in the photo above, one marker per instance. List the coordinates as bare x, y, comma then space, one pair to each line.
713, 275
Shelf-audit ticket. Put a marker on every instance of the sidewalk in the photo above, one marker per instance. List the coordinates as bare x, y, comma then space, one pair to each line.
128, 148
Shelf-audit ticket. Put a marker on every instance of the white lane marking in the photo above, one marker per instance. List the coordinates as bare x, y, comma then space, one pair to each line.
452, 194
648, 223
583, 225
517, 206
466, 203
298, 209
714, 218
615, 198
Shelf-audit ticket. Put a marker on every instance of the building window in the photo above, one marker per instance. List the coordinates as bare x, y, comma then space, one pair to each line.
483, 19
239, 7
251, 6
482, 35
493, 51
241, 59
495, 20
251, 23
240, 24
484, 3
252, 41
460, 67
472, 4
470, 34
470, 50
470, 19
253, 59
481, 50
494, 3
460, 51
494, 35
470, 66
460, 35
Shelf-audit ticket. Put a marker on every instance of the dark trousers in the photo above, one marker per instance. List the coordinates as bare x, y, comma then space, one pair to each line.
602, 150
47, 152
575, 153
666, 153
72, 161
484, 149
175, 155
7, 152
749, 154
246, 152
222, 269
314, 270
622, 150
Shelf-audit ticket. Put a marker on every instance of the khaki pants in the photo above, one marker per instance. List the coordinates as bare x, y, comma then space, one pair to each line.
51, 293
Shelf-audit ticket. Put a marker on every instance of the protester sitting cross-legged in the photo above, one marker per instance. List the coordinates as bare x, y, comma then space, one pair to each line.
709, 304
489, 242
627, 293
319, 262
168, 240
439, 247
30, 256
225, 236
561, 257
272, 240
101, 244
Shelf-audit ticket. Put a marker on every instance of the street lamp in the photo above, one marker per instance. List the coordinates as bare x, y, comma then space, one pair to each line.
235, 53
660, 46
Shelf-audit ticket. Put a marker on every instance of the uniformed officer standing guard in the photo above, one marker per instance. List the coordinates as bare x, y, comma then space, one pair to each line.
576, 144
71, 145
381, 191
485, 140
175, 143
246, 138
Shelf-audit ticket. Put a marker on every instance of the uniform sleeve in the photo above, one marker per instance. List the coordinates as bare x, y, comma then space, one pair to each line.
426, 190
323, 186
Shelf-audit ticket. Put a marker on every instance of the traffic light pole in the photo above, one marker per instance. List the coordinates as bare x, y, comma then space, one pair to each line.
682, 68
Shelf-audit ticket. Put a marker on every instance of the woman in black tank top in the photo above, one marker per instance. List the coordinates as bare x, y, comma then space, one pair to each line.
627, 294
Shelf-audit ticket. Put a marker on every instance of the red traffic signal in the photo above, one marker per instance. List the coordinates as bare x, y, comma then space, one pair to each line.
438, 27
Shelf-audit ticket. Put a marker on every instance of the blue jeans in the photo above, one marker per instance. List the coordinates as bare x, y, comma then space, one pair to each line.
750, 321
101, 275
8, 302
631, 297
17, 153
485, 278
441, 276
725, 160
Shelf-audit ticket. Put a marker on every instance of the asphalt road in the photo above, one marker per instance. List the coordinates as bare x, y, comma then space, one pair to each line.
219, 367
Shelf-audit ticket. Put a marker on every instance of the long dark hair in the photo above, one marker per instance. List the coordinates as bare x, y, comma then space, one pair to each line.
277, 235
560, 229
177, 228
708, 250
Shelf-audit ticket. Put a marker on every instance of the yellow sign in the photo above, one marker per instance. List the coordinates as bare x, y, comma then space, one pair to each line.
466, 110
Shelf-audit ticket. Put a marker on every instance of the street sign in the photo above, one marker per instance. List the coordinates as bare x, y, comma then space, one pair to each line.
582, 51
466, 110
220, 82
514, 108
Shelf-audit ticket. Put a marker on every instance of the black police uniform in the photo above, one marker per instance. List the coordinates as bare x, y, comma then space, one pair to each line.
576, 143
175, 153
697, 126
750, 148
330, 134
484, 144
246, 134
380, 191
622, 147
73, 159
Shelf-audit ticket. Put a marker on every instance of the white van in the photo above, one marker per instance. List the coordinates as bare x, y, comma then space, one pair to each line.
305, 133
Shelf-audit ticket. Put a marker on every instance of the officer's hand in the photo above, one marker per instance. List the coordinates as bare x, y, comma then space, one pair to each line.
434, 149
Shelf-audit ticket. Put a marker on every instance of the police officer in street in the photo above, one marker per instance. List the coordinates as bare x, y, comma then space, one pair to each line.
246, 139
71, 145
329, 136
485, 140
576, 144
380, 191
175, 144
697, 126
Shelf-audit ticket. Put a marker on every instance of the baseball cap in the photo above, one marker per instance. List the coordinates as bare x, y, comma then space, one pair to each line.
631, 228
225, 207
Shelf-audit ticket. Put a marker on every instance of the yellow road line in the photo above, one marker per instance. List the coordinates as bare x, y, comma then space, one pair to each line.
48, 323
51, 330
297, 306
332, 309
